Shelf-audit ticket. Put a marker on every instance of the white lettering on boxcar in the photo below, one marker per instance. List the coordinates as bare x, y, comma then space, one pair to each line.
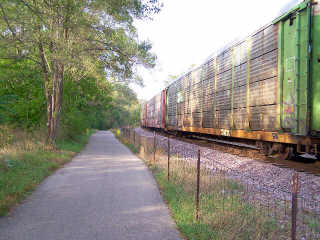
225, 132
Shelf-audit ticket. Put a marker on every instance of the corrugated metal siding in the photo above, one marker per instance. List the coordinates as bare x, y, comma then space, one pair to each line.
154, 112
158, 112
208, 120
224, 62
264, 41
239, 118
205, 106
263, 117
263, 79
172, 105
264, 67
270, 38
223, 100
240, 96
263, 92
151, 113
196, 119
223, 119
187, 104
187, 120
224, 80
241, 75
241, 53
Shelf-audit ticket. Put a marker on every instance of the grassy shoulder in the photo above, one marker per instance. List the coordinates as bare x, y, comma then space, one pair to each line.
223, 216
22, 170
132, 147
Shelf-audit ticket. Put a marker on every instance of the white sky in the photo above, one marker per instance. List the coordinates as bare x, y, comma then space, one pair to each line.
186, 32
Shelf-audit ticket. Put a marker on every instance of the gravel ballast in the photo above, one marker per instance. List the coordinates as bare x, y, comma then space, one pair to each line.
275, 182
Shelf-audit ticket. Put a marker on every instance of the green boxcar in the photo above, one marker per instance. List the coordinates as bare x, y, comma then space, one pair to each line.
299, 78
315, 71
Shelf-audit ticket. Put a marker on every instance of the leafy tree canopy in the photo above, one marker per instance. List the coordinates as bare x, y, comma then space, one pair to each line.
77, 39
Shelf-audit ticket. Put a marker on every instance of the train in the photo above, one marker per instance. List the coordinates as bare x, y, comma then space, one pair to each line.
264, 88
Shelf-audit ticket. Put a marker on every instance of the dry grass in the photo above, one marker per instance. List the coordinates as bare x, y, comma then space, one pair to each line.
16, 141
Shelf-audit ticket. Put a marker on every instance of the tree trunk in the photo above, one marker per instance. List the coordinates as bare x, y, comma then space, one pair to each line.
54, 102
53, 86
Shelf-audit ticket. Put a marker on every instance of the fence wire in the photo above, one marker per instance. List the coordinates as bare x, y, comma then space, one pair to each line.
228, 198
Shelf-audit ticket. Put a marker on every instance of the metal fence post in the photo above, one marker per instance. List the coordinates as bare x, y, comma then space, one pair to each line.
134, 138
154, 147
294, 205
130, 135
198, 187
168, 158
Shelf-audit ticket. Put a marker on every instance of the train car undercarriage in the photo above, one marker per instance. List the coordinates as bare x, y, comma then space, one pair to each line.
285, 145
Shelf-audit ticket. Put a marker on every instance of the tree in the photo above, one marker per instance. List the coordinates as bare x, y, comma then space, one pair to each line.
22, 88
74, 37
124, 107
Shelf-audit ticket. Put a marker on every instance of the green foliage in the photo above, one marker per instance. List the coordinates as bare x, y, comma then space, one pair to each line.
22, 100
124, 108
78, 34
85, 103
59, 56
5, 102
91, 102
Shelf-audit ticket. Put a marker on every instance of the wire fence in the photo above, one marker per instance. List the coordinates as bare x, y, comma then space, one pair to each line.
227, 199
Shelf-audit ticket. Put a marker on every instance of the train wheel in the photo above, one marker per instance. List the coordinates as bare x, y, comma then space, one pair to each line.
264, 147
287, 152
317, 150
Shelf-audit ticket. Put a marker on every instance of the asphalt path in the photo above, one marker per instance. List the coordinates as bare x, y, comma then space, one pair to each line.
104, 193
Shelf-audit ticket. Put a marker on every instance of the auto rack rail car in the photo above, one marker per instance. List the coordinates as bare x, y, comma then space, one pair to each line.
264, 88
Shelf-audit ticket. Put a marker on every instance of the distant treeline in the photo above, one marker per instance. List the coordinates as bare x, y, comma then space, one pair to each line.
91, 102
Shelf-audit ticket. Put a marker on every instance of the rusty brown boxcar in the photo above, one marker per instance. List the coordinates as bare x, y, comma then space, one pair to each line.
153, 112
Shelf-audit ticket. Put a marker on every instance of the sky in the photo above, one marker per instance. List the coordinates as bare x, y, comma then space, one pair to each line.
187, 32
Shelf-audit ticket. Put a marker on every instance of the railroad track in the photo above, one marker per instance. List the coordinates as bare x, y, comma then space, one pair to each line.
298, 163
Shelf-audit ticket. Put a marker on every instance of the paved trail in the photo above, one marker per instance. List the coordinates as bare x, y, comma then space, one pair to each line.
104, 193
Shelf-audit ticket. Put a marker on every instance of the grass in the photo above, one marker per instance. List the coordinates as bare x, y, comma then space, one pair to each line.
25, 162
223, 211
221, 216
131, 146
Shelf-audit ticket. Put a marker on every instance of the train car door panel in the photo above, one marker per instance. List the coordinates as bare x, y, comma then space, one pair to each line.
295, 57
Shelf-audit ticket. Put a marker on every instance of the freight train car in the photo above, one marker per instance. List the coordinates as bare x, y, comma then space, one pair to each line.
154, 111
265, 88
